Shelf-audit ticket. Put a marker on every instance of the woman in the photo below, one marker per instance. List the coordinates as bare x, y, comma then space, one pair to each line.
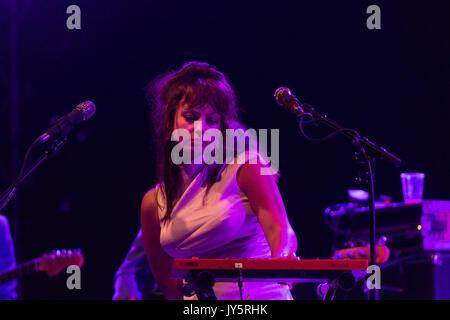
218, 210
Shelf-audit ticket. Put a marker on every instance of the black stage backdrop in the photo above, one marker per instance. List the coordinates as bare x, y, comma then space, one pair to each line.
391, 85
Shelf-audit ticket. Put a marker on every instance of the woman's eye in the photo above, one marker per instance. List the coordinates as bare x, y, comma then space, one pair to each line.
189, 117
212, 121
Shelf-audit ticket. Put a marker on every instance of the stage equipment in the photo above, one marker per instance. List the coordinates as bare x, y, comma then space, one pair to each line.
366, 153
333, 276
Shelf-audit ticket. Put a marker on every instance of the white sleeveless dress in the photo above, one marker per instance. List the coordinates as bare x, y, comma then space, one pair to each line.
225, 226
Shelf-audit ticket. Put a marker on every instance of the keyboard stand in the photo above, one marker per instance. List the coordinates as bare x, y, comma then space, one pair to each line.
201, 283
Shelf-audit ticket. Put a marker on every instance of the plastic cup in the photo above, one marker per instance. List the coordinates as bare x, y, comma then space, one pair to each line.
412, 185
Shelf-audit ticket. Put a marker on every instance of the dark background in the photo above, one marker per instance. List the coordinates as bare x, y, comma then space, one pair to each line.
391, 85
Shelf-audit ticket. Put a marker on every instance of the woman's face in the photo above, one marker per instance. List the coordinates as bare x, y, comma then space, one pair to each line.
196, 120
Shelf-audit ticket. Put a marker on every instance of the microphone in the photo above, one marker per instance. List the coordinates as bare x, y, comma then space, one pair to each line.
83, 111
284, 97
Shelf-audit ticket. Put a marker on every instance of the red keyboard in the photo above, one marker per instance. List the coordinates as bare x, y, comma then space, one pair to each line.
308, 270
271, 264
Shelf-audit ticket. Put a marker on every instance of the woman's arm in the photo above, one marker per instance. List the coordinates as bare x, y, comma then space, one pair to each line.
160, 262
266, 202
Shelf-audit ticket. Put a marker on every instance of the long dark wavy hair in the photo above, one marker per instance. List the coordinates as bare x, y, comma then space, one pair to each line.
198, 84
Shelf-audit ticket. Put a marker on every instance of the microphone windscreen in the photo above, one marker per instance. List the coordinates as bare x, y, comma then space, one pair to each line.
281, 94
87, 108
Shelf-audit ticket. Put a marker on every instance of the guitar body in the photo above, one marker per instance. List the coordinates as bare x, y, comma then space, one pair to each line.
51, 263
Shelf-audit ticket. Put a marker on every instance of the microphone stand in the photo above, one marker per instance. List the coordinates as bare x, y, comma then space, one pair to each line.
370, 180
49, 152
368, 149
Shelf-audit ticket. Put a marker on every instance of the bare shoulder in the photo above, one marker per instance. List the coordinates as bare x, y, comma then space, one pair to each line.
149, 197
4, 225
250, 175
149, 204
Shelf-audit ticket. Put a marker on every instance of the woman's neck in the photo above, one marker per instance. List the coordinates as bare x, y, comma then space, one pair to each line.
189, 171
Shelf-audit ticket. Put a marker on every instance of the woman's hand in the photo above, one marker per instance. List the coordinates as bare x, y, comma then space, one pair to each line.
290, 256
267, 204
